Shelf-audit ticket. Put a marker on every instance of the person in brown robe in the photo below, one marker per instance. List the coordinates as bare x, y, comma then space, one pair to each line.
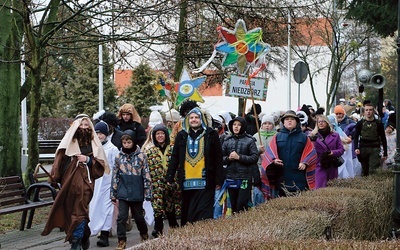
79, 160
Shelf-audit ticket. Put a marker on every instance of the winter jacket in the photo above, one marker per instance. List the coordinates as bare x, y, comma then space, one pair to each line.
290, 145
131, 177
212, 157
244, 145
137, 128
334, 143
345, 122
116, 138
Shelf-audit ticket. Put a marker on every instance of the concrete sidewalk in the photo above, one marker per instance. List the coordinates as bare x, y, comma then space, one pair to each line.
31, 239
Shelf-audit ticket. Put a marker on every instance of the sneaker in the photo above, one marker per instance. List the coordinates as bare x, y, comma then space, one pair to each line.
121, 245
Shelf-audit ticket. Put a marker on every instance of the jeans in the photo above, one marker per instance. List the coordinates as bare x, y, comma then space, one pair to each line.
258, 197
218, 207
79, 230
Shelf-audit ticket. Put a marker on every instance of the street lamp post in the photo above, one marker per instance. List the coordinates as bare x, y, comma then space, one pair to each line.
396, 171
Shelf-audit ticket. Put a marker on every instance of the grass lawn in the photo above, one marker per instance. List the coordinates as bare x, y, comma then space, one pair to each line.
10, 222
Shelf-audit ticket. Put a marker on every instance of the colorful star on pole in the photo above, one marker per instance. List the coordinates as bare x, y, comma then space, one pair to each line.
241, 46
188, 88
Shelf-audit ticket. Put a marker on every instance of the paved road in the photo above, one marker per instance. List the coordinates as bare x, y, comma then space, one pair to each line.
31, 239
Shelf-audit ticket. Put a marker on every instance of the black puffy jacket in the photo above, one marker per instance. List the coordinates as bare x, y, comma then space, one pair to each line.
245, 146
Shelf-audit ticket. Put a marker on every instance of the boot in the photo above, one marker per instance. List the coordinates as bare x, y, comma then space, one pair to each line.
76, 244
103, 239
156, 233
121, 244
85, 243
144, 237
158, 226
171, 216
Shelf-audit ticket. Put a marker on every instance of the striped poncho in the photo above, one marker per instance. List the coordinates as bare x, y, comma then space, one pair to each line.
309, 157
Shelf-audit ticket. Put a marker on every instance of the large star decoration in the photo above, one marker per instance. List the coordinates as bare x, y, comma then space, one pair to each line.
241, 46
188, 88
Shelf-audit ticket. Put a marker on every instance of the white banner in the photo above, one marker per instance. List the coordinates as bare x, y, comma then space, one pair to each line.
238, 87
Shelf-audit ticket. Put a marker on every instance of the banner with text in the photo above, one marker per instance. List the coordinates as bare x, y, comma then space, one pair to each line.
237, 87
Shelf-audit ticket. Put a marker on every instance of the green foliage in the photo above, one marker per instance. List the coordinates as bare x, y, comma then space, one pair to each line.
141, 93
380, 15
72, 87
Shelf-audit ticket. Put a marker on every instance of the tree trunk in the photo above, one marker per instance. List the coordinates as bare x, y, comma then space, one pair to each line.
35, 104
38, 48
182, 38
10, 77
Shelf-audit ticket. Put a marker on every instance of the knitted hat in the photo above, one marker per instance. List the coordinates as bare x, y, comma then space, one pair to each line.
101, 127
268, 118
175, 115
131, 134
391, 125
276, 115
155, 118
339, 110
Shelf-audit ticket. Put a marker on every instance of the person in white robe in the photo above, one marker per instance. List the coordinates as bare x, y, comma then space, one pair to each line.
100, 208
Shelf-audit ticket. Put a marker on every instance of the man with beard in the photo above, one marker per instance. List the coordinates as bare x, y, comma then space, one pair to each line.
197, 156
79, 160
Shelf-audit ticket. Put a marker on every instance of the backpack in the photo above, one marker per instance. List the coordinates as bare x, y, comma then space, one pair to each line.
369, 131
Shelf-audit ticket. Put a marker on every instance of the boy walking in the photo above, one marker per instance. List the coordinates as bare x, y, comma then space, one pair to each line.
130, 185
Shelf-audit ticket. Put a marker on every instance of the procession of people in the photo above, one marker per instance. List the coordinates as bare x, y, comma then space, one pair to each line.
198, 166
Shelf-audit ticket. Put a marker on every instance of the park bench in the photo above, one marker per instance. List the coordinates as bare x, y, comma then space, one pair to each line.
47, 149
15, 198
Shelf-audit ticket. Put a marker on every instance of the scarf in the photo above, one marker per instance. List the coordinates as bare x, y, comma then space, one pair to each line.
324, 132
266, 134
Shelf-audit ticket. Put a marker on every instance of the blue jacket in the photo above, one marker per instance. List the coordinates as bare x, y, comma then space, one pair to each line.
291, 145
346, 121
